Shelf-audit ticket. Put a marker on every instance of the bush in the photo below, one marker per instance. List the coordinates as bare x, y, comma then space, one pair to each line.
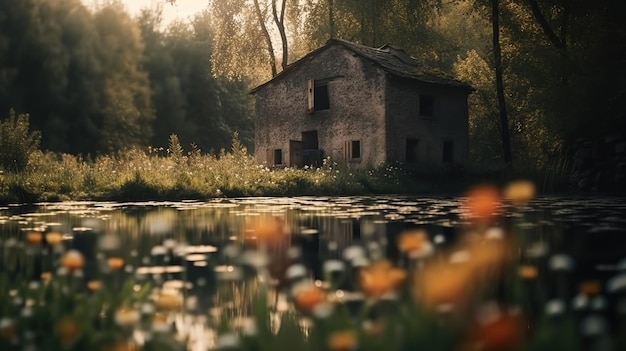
16, 142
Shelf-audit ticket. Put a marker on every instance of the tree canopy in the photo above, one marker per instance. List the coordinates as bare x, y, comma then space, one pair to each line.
98, 80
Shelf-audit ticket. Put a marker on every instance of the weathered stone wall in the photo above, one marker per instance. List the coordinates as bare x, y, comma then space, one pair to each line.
356, 92
448, 123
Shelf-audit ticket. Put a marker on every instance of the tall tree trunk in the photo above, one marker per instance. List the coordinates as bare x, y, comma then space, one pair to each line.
268, 38
331, 18
497, 58
280, 24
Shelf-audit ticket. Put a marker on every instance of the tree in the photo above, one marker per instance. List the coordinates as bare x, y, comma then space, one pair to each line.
497, 58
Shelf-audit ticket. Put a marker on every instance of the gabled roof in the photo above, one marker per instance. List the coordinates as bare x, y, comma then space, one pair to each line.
392, 59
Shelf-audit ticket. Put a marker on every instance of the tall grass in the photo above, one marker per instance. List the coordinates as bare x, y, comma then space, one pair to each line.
173, 174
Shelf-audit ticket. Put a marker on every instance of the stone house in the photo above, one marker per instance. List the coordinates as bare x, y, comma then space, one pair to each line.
362, 105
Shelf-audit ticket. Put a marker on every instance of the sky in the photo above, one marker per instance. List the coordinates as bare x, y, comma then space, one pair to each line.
181, 10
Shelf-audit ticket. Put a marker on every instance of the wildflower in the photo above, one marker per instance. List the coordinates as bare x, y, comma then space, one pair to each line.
94, 285
414, 243
482, 202
126, 317
342, 340
527, 272
8, 329
122, 346
443, 283
502, 332
72, 260
34, 237
520, 192
380, 278
67, 330
590, 288
306, 296
167, 301
115, 263
54, 238
160, 323
45, 276
268, 228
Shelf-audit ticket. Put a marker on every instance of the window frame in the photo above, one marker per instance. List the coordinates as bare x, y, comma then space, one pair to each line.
316, 104
349, 150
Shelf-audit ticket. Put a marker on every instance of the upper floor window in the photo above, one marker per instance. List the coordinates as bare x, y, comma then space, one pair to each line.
427, 105
318, 95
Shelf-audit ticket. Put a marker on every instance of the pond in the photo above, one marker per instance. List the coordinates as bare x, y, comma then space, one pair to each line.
211, 256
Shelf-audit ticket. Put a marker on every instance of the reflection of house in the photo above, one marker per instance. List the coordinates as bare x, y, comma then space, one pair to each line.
364, 105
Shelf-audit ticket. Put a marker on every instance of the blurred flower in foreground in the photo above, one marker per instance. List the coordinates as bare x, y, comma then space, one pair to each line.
73, 260
168, 301
527, 272
264, 228
115, 263
67, 330
482, 203
54, 238
415, 243
34, 237
126, 317
497, 331
380, 278
94, 285
307, 296
342, 340
520, 192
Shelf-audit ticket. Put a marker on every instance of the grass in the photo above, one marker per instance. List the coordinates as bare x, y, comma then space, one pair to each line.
157, 174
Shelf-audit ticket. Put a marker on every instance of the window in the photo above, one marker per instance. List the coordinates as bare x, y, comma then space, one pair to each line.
274, 157
356, 149
352, 150
412, 150
427, 105
318, 96
448, 152
278, 157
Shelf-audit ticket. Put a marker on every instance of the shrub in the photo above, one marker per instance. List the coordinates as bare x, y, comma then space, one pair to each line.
16, 142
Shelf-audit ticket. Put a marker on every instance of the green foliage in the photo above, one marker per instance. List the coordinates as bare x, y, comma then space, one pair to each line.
17, 142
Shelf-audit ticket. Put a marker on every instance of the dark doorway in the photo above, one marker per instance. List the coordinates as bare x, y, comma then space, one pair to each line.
412, 150
309, 140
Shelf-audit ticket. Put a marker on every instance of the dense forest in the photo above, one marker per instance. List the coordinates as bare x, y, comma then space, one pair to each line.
96, 80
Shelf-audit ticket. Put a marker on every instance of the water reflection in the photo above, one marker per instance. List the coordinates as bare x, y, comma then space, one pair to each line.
205, 260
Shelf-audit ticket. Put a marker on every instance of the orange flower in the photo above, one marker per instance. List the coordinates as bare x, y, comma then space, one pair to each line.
412, 241
265, 228
45, 276
504, 333
115, 263
122, 346
482, 202
307, 297
590, 288
67, 330
527, 272
444, 283
520, 192
342, 340
168, 301
94, 285
54, 238
34, 237
380, 278
73, 260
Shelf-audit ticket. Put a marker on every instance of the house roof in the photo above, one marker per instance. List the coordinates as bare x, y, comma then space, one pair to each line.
392, 59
